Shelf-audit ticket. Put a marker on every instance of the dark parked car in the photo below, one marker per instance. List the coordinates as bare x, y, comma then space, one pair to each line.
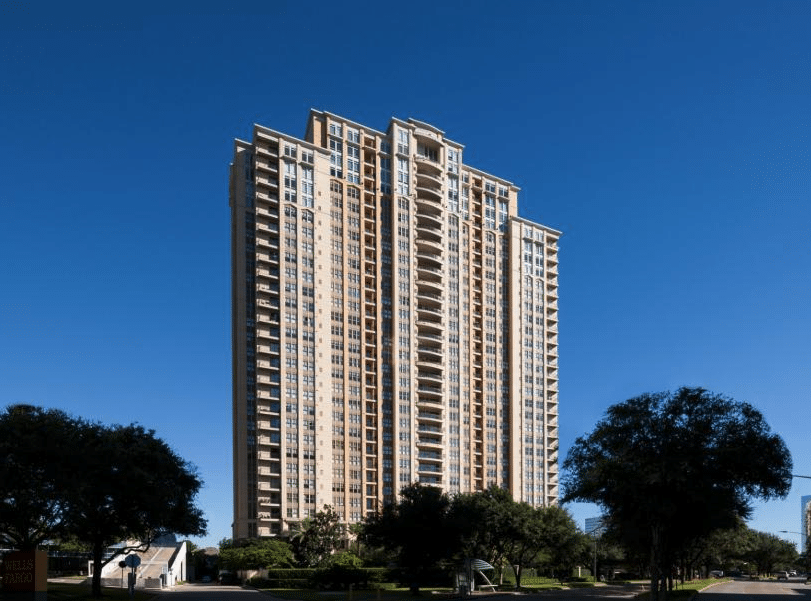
228, 578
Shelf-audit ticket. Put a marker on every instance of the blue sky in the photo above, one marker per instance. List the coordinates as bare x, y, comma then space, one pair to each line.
669, 141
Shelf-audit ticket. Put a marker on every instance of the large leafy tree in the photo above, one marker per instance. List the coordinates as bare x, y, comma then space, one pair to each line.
133, 486
38, 457
416, 529
769, 552
255, 554
106, 484
315, 539
719, 549
484, 523
668, 468
523, 537
562, 545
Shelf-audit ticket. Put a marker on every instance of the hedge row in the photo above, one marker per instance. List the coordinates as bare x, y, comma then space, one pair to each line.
330, 578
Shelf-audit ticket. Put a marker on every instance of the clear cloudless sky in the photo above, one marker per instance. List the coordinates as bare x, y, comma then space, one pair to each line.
669, 141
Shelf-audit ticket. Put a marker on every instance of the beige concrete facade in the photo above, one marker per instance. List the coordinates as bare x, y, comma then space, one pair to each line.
393, 321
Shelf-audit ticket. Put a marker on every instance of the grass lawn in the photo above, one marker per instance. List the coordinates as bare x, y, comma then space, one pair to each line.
58, 591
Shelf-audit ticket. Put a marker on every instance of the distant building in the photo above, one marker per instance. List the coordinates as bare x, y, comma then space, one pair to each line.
595, 525
394, 321
805, 521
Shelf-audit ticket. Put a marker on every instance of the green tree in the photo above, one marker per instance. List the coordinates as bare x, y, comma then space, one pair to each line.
522, 537
769, 552
40, 456
71, 479
668, 468
255, 554
417, 530
131, 486
484, 525
562, 545
315, 539
719, 549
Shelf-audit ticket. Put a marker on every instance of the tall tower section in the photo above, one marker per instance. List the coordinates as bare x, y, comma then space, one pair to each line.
394, 321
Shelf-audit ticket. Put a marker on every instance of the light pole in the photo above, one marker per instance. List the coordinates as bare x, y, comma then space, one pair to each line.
593, 533
791, 532
807, 554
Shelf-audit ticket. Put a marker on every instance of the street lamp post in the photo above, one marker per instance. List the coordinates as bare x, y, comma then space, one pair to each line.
593, 533
806, 551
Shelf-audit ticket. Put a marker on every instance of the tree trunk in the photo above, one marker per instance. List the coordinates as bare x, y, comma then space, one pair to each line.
518, 576
654, 565
98, 552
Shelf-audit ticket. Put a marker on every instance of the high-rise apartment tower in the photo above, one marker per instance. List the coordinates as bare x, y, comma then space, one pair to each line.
394, 321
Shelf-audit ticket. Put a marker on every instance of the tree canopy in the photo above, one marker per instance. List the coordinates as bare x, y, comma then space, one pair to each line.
106, 484
668, 468
416, 530
426, 529
255, 554
315, 538
36, 464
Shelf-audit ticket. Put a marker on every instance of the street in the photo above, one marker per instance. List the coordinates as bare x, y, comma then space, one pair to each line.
212, 592
794, 589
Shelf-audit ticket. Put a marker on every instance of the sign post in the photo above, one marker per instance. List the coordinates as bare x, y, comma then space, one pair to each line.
133, 561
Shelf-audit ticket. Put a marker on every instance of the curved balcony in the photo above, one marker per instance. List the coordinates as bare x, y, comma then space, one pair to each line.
431, 338
428, 229
429, 440
429, 417
427, 191
429, 430
426, 273
426, 165
430, 355
426, 311
431, 286
429, 257
429, 177
427, 269
429, 456
429, 392
429, 298
434, 317
429, 201
429, 327
430, 468
430, 244
430, 219
430, 377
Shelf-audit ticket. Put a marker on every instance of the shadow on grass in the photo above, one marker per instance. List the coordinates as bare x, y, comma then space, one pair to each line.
58, 591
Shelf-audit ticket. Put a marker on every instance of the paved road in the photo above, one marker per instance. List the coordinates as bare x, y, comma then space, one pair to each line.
210, 592
794, 589
736, 590
213, 592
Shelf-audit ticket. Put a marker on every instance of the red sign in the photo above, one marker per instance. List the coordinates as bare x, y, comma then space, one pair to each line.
25, 571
